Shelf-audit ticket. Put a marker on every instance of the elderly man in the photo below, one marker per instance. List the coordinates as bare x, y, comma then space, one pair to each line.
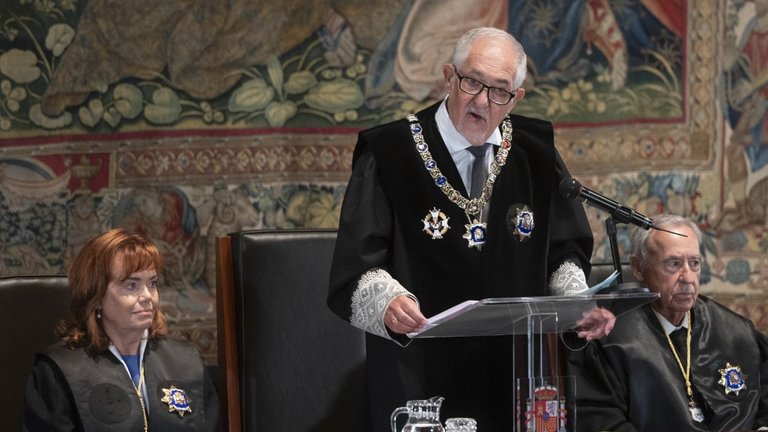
681, 363
456, 202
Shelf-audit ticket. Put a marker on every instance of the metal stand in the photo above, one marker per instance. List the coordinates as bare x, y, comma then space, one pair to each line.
620, 285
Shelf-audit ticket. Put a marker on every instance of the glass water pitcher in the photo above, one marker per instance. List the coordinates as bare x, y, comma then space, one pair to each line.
423, 415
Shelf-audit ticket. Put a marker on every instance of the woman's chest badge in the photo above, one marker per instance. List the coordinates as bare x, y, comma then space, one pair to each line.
435, 223
177, 400
732, 379
520, 221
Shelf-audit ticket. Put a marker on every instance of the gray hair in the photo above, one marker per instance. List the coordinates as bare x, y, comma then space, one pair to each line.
469, 38
641, 237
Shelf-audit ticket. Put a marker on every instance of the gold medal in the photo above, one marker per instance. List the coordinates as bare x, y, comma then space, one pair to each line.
522, 221
732, 379
177, 400
475, 234
435, 223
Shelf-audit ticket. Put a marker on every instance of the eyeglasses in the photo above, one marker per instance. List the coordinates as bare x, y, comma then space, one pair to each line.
472, 86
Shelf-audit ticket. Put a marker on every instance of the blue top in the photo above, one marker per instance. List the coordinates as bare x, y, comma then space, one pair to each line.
132, 361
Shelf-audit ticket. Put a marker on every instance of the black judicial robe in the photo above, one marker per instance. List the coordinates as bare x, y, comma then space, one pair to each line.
71, 391
630, 381
388, 196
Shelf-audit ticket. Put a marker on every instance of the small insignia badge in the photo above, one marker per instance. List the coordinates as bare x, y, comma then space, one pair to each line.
177, 400
696, 414
436, 223
475, 234
732, 379
520, 219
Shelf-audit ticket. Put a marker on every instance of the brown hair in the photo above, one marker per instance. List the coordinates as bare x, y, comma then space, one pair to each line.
89, 275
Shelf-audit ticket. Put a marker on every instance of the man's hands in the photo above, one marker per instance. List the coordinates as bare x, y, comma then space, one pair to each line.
595, 324
403, 315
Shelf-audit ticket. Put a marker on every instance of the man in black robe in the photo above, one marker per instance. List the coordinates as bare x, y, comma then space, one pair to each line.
681, 363
413, 241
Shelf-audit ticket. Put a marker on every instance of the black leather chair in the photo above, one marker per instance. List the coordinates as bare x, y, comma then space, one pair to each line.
600, 271
286, 363
30, 307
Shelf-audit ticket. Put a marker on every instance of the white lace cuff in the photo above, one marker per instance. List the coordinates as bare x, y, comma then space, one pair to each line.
567, 280
375, 290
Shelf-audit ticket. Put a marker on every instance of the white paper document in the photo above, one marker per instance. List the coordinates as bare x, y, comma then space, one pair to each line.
468, 305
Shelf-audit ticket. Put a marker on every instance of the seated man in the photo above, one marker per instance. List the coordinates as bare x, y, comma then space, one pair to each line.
640, 378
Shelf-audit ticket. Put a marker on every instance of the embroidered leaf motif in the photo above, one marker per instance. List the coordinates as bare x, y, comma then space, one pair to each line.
165, 107
91, 114
278, 112
251, 96
128, 100
37, 117
58, 38
300, 82
335, 96
20, 66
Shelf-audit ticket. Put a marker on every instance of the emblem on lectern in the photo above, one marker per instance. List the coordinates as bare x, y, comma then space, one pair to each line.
547, 411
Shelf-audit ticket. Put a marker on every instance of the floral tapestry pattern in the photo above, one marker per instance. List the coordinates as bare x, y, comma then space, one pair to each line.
193, 121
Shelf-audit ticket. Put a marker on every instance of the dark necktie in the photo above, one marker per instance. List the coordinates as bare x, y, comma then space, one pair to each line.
479, 170
680, 340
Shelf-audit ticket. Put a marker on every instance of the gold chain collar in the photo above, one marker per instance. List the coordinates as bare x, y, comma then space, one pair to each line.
470, 206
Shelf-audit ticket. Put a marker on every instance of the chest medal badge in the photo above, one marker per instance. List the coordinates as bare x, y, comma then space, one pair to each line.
177, 400
520, 220
475, 234
435, 223
732, 379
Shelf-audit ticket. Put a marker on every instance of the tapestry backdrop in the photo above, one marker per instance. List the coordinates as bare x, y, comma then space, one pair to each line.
190, 120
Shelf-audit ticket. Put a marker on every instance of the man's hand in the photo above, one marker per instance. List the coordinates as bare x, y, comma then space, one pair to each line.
403, 315
596, 324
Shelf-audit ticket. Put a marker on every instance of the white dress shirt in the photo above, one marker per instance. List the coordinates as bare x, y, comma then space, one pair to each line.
457, 145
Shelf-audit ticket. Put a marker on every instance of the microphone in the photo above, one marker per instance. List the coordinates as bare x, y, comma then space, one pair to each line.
570, 188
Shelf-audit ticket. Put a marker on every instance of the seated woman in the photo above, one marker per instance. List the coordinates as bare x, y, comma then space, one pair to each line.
114, 367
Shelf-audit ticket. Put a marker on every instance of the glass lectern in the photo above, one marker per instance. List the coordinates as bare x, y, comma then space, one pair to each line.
543, 402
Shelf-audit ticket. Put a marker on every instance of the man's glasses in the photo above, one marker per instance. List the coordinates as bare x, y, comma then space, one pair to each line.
472, 86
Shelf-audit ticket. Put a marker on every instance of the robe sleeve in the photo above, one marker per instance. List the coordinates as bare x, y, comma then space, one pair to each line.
48, 401
762, 412
571, 239
569, 225
360, 286
363, 241
212, 412
600, 401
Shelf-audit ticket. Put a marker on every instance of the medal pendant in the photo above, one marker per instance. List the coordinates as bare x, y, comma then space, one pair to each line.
435, 223
696, 413
475, 234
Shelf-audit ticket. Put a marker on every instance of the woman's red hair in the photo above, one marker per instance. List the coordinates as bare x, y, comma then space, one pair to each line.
89, 276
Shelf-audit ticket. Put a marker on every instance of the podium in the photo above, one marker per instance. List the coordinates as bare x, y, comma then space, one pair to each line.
539, 398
